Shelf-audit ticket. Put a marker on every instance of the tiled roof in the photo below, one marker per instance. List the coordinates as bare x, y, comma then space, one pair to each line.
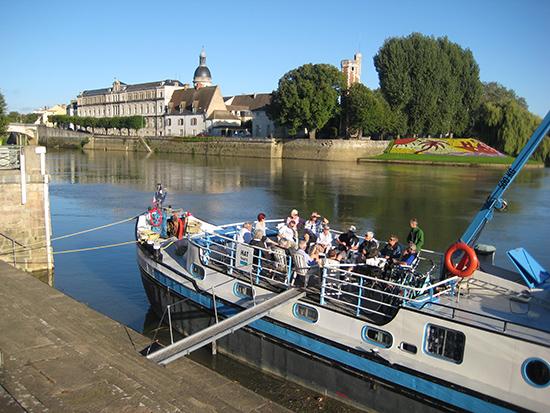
222, 115
256, 101
134, 87
189, 99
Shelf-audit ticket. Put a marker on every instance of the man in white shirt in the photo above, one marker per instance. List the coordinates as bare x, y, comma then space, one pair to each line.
245, 234
288, 232
325, 238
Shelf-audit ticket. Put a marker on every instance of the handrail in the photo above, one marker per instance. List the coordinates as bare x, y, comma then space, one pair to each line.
13, 242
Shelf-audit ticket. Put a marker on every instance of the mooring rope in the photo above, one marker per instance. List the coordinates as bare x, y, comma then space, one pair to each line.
42, 244
99, 247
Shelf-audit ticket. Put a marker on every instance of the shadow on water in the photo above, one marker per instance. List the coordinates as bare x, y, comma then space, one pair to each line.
284, 393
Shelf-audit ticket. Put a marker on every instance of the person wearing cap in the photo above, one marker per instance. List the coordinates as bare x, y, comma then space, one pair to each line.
293, 217
325, 238
313, 227
348, 240
392, 250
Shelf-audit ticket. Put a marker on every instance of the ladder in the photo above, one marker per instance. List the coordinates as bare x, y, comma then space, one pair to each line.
216, 331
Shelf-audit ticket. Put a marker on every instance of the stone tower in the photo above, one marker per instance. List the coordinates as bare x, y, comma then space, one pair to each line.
352, 69
202, 75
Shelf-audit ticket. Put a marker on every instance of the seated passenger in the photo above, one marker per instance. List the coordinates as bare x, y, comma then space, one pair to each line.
245, 234
259, 241
409, 255
325, 238
392, 250
348, 240
332, 259
312, 227
302, 246
175, 226
293, 217
369, 242
289, 233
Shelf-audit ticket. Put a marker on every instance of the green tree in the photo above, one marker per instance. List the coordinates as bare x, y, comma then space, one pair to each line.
367, 112
496, 93
307, 98
433, 82
3, 119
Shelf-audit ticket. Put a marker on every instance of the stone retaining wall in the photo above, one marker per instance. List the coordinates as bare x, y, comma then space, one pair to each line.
331, 150
26, 221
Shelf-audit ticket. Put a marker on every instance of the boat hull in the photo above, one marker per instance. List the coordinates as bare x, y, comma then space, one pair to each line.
271, 355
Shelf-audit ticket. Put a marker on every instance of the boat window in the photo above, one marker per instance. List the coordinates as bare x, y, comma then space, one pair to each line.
536, 372
445, 343
197, 271
409, 348
305, 312
379, 337
242, 290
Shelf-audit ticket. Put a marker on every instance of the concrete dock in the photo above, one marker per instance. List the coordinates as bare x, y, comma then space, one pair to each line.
58, 355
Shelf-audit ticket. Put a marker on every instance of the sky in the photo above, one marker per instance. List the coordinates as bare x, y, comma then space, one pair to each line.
53, 50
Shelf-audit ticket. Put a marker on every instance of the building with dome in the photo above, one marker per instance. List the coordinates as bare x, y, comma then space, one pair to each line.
202, 76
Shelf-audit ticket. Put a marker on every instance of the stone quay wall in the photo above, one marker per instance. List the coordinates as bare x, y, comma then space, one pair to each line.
322, 150
25, 211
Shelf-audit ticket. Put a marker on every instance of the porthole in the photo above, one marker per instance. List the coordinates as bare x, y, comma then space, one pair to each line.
197, 271
378, 337
242, 290
305, 312
536, 372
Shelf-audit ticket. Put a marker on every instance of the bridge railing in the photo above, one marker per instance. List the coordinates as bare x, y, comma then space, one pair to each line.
10, 157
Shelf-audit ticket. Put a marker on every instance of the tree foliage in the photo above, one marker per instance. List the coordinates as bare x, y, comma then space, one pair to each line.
505, 123
17, 117
3, 120
368, 112
123, 122
307, 98
433, 82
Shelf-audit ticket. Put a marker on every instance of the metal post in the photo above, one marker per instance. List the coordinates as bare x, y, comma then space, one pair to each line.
170, 323
231, 260
214, 345
360, 294
323, 285
289, 271
13, 248
259, 267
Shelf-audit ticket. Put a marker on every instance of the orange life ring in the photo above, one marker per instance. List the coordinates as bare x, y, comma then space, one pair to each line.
155, 222
467, 265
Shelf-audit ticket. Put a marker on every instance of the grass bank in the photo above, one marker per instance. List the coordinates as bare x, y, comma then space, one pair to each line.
421, 158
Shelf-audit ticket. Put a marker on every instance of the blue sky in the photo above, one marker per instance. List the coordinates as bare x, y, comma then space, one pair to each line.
53, 50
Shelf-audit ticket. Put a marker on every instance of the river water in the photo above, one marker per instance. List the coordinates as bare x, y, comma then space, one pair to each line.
93, 188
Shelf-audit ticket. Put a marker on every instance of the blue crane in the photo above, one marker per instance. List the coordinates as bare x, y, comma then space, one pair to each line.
495, 201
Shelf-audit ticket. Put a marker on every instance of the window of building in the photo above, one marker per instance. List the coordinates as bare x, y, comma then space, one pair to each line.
180, 122
168, 122
445, 343
378, 337
305, 312
146, 109
193, 121
181, 132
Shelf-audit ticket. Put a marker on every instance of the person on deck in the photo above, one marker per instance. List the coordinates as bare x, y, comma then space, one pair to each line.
313, 227
416, 235
175, 226
289, 233
348, 240
160, 195
392, 250
409, 255
245, 234
325, 238
260, 223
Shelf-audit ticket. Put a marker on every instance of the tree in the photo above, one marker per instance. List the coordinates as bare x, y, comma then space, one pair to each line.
433, 82
307, 97
3, 120
496, 93
368, 112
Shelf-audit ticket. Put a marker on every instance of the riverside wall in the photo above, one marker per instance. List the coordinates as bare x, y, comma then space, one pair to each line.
326, 150
25, 229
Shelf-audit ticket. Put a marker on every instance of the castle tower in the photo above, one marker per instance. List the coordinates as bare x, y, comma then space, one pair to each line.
202, 75
352, 69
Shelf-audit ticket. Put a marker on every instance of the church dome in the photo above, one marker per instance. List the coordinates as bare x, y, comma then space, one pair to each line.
202, 72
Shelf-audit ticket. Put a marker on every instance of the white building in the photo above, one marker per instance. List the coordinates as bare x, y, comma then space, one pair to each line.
143, 99
253, 108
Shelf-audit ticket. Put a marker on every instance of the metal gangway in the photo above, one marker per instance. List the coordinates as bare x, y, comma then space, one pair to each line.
216, 331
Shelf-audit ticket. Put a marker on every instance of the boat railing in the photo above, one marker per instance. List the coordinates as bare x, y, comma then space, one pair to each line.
13, 246
355, 288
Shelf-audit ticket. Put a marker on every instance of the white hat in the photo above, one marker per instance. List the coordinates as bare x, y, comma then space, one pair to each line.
294, 212
352, 228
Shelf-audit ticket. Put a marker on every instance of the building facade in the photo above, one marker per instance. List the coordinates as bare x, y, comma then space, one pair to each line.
143, 99
352, 69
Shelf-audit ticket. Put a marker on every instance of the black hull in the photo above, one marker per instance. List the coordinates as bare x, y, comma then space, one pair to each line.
273, 356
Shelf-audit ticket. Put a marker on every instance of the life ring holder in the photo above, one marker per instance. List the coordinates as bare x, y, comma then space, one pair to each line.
155, 222
467, 265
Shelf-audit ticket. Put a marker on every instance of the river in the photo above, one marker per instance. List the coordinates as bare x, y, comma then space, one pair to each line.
93, 188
